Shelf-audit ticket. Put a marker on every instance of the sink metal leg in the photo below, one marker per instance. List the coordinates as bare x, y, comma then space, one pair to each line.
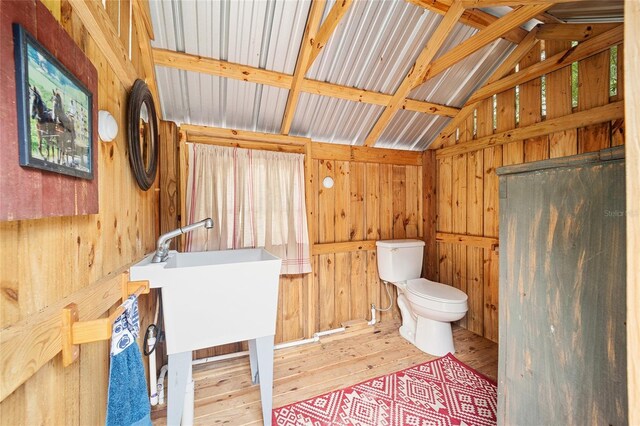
264, 357
179, 368
253, 361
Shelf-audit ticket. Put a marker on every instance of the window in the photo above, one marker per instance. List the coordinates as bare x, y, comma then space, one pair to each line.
255, 198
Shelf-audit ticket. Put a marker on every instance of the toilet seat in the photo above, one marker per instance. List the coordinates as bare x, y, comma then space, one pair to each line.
437, 296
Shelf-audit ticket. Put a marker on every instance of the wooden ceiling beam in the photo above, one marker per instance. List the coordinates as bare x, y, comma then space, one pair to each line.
573, 32
245, 135
196, 63
547, 18
509, 21
416, 73
560, 60
474, 18
302, 64
364, 154
146, 16
339, 9
359, 95
602, 114
493, 3
188, 62
504, 69
429, 108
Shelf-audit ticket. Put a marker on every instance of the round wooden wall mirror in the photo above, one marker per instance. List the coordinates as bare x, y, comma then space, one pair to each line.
142, 128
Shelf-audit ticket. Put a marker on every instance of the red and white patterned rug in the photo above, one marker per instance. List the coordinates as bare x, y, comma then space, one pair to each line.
440, 392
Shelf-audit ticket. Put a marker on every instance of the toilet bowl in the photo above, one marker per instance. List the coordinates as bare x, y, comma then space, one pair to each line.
427, 307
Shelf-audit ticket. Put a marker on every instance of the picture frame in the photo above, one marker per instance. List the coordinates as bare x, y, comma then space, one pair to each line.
55, 112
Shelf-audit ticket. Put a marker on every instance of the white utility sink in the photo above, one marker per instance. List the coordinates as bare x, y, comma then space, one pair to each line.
214, 298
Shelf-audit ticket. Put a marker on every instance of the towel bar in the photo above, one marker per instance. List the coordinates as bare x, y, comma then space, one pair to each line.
76, 332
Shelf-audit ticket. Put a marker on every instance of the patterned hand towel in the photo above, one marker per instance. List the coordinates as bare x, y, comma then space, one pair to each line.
128, 402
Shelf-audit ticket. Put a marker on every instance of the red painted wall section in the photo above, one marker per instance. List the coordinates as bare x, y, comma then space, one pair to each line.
27, 193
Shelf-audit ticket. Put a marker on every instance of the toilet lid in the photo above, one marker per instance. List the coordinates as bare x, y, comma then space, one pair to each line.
435, 291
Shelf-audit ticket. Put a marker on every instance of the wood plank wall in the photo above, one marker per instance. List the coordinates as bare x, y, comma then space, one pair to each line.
632, 50
467, 185
369, 201
377, 194
46, 260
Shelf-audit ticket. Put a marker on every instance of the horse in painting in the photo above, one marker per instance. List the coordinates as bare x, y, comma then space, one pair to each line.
67, 126
56, 129
46, 125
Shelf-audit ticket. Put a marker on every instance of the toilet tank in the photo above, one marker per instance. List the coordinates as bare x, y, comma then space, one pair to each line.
399, 260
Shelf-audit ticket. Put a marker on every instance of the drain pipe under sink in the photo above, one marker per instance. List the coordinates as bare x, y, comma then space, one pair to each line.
316, 338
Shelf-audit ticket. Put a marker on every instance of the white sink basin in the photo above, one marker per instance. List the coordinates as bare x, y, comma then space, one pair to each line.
215, 297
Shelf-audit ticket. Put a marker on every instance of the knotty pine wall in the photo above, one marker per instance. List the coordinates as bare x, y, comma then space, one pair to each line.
368, 201
377, 194
45, 260
467, 185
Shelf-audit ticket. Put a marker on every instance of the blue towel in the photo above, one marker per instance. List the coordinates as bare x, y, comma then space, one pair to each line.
128, 402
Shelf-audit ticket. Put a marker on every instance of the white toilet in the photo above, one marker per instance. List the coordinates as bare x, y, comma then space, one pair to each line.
427, 307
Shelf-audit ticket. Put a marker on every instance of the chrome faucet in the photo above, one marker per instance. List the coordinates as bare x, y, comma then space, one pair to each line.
162, 251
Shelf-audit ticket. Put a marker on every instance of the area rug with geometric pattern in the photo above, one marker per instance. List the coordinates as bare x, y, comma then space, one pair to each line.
440, 392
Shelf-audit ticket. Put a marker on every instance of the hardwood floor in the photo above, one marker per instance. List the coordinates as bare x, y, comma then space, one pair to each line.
224, 394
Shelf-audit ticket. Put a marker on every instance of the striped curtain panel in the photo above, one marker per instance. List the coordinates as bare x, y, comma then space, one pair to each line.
255, 198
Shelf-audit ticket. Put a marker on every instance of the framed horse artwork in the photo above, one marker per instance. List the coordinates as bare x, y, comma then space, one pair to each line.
54, 111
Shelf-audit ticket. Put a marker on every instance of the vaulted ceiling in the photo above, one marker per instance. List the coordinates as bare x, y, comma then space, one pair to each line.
384, 73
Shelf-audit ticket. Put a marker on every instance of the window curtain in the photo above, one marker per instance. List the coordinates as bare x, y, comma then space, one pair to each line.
255, 198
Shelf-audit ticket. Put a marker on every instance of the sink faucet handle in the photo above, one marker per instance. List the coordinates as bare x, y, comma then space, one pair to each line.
162, 249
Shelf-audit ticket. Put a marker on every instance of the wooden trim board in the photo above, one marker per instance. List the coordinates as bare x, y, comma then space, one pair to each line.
632, 88
238, 143
596, 115
329, 248
193, 130
330, 151
467, 240
320, 151
29, 344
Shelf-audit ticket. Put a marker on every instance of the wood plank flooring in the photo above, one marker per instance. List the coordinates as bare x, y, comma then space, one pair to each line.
224, 394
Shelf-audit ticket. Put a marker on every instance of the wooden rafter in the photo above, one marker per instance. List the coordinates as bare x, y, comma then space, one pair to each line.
188, 62
602, 114
572, 32
492, 3
359, 95
547, 18
310, 31
196, 63
313, 41
473, 18
511, 20
505, 68
563, 59
339, 9
417, 71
